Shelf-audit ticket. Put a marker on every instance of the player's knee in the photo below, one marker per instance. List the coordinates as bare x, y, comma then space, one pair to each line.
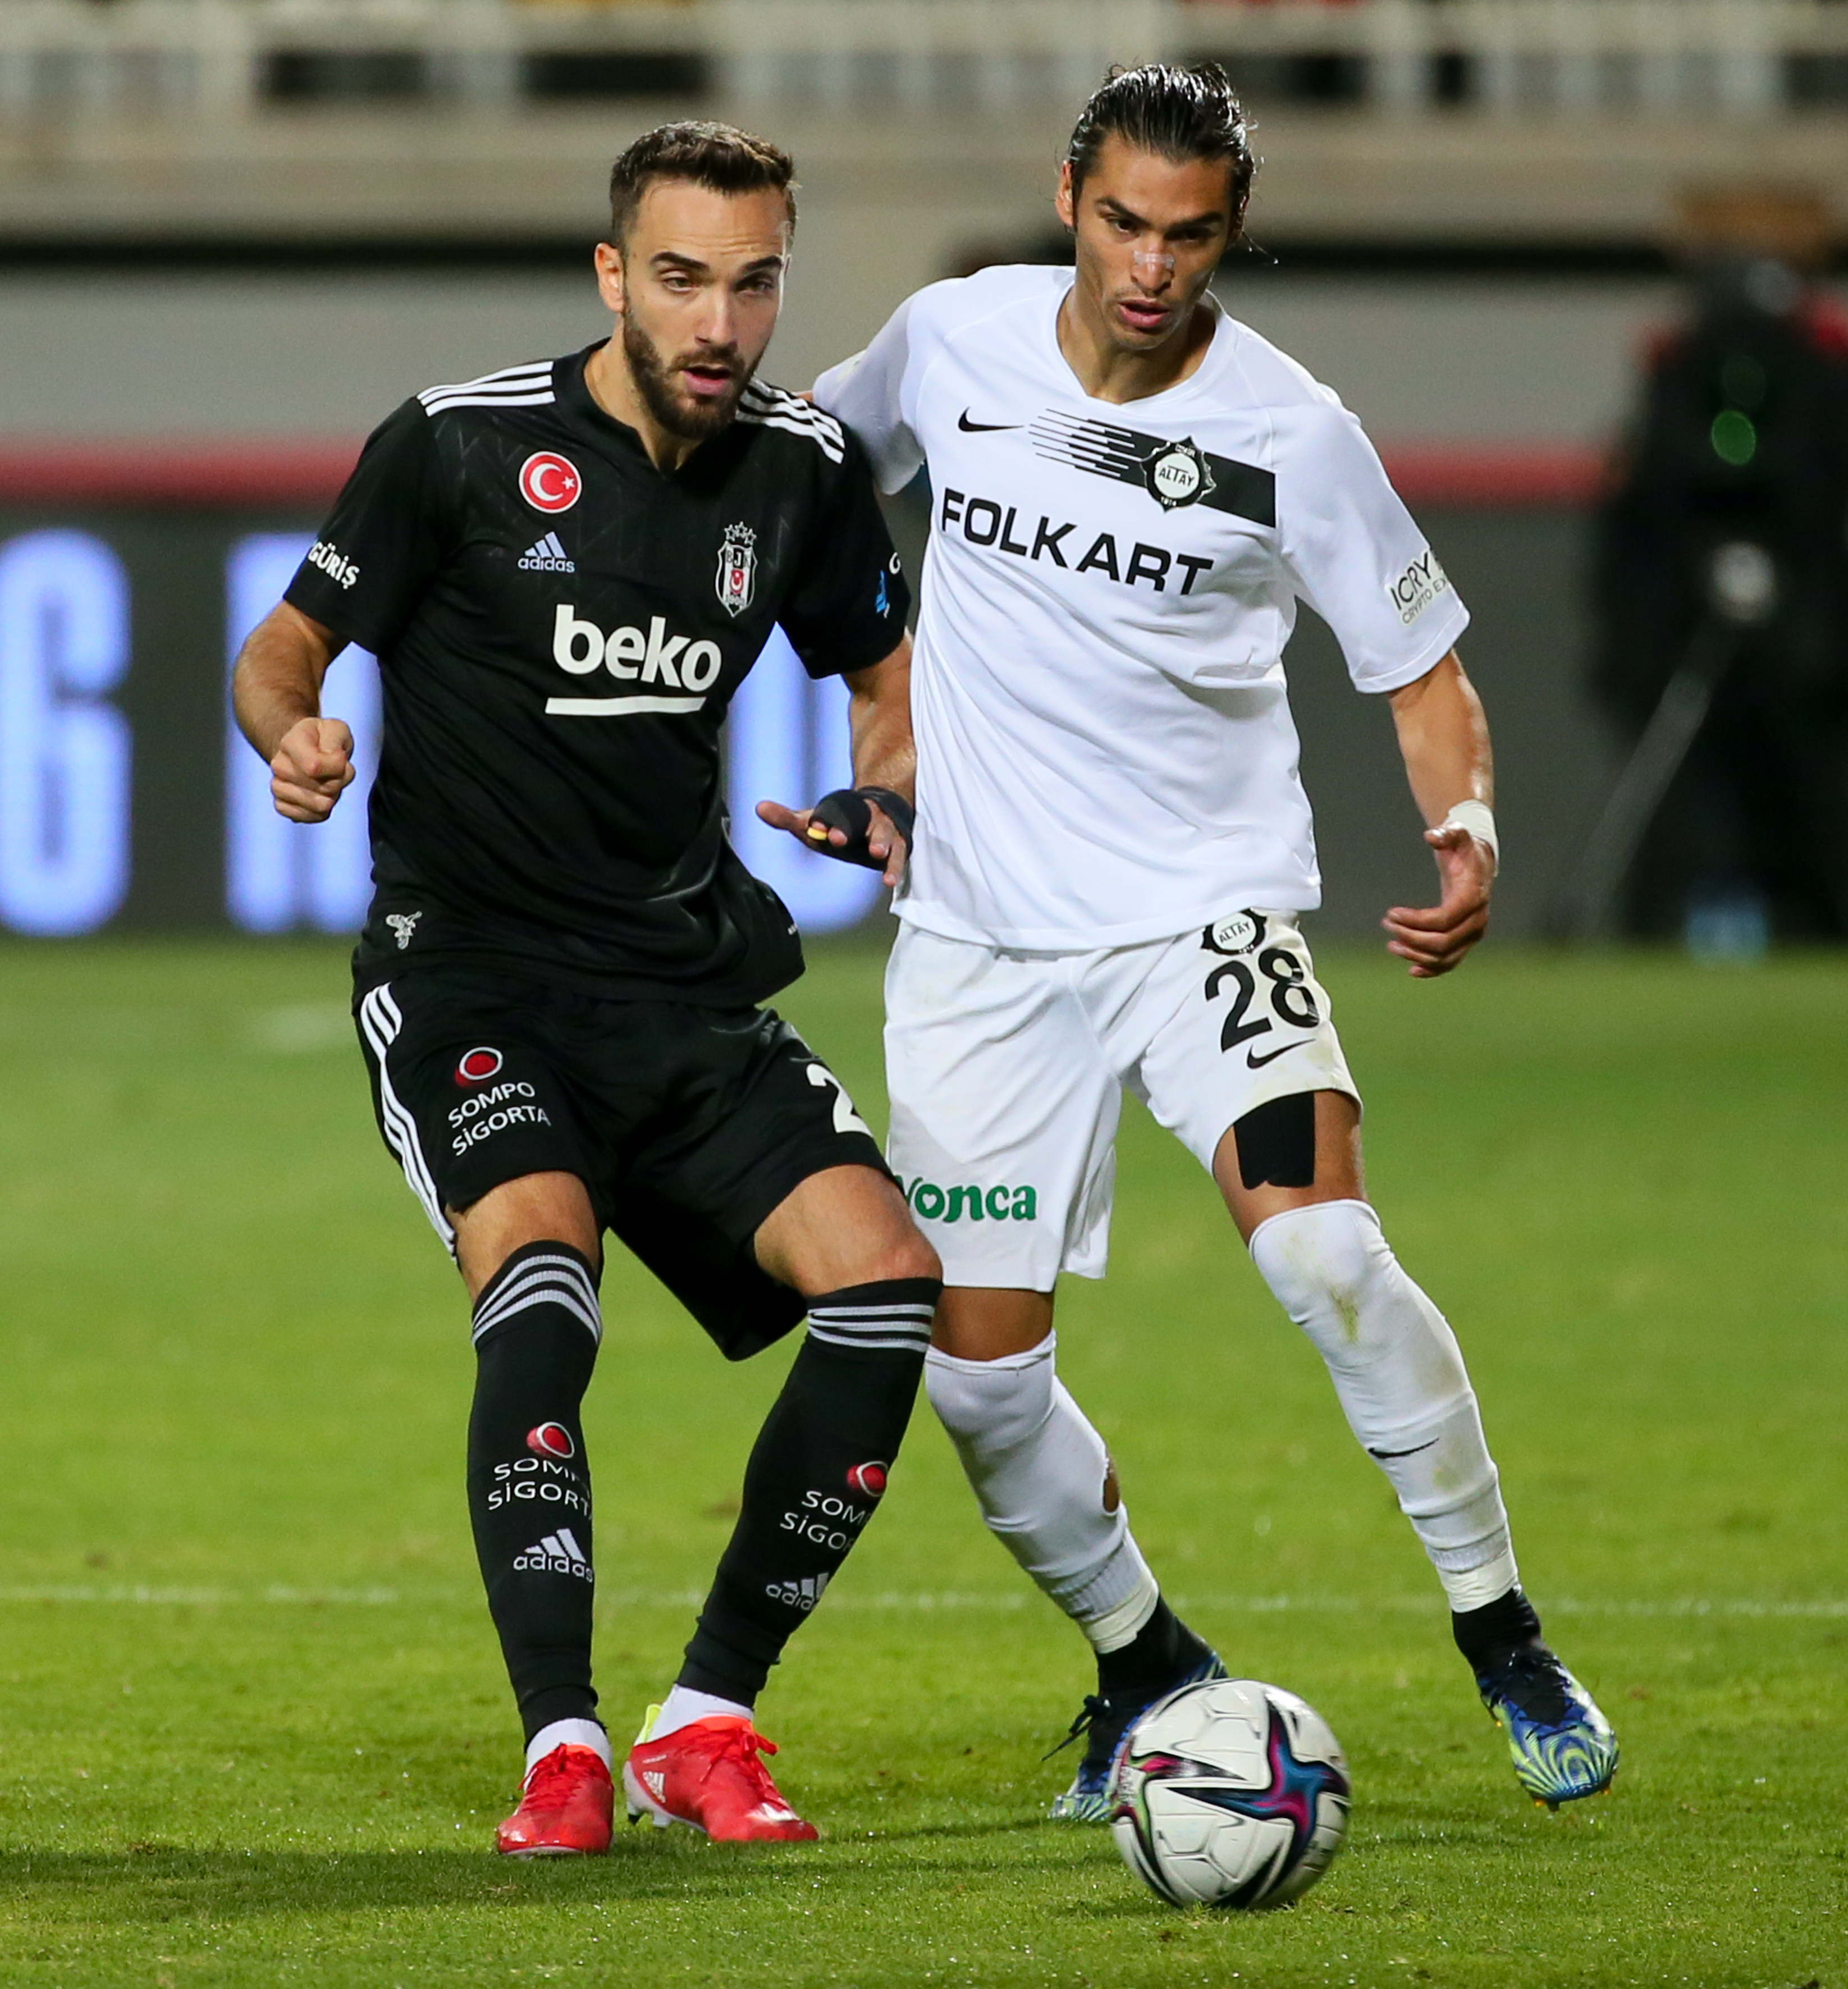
848, 1226
1333, 1271
911, 1256
894, 1246
491, 1231
1325, 1252
996, 1404
904, 1254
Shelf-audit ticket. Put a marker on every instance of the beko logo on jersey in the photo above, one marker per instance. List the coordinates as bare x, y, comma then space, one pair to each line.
1415, 589
333, 562
637, 655
985, 523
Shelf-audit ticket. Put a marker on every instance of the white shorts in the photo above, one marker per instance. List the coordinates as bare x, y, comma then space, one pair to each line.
1006, 1071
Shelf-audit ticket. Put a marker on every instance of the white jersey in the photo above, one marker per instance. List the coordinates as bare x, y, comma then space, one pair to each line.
1105, 752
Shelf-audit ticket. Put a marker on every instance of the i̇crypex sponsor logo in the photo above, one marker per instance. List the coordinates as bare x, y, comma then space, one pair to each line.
1415, 589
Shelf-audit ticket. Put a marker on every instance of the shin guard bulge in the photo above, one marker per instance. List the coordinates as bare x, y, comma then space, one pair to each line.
1043, 1480
816, 1475
536, 1330
1399, 1375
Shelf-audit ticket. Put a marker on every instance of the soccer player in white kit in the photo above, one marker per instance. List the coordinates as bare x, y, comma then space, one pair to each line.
1130, 493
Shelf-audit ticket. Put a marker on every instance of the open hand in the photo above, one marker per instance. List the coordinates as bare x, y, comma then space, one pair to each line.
882, 838
1435, 940
310, 767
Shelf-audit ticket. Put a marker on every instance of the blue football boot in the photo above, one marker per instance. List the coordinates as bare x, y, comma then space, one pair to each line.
1562, 1745
1105, 1724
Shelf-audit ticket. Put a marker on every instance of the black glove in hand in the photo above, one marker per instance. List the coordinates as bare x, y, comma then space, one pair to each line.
849, 810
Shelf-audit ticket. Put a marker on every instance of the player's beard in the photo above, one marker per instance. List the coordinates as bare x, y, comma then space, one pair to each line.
654, 380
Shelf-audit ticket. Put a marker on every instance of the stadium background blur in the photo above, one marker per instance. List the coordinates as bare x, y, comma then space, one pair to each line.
252, 1722
233, 233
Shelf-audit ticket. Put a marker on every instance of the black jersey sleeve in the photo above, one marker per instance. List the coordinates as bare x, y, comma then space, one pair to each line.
846, 609
385, 539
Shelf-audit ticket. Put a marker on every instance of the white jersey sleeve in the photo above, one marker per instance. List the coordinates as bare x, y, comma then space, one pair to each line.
871, 393
1354, 553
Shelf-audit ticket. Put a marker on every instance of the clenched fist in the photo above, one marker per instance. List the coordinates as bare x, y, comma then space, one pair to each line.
311, 765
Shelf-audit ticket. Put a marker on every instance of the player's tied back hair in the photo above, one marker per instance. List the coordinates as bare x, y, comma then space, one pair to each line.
1190, 112
718, 157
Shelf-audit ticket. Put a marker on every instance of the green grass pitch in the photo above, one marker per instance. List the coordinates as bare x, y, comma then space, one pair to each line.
255, 1730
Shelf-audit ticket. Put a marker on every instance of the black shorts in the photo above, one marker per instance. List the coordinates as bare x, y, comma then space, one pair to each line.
687, 1126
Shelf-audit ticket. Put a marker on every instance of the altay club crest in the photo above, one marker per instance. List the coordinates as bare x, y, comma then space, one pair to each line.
737, 582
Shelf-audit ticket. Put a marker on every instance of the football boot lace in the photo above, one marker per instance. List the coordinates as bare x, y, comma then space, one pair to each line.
1103, 1720
1532, 1680
1096, 1707
564, 1803
740, 1747
740, 1743
552, 1779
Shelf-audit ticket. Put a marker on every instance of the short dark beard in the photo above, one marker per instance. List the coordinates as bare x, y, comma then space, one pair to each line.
652, 380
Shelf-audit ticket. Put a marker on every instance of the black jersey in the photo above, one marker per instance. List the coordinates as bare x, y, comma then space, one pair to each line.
559, 627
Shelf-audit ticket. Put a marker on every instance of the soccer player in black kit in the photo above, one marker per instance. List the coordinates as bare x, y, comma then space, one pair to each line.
565, 570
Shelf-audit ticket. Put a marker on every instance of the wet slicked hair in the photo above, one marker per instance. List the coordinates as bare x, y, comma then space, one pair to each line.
718, 157
1181, 113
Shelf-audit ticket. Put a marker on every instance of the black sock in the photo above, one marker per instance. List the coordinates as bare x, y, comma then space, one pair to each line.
537, 1328
1158, 1653
814, 1478
1486, 1636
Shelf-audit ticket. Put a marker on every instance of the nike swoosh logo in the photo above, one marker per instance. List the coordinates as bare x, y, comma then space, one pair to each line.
1413, 1452
982, 428
1254, 1062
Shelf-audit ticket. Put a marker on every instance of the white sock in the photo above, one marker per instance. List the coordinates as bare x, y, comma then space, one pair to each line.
683, 1706
1399, 1372
569, 1734
1038, 1470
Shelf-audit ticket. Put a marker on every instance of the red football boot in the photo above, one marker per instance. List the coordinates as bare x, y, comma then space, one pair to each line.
708, 1775
565, 1810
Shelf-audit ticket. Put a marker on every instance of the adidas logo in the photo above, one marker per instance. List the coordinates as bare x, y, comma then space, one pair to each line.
656, 1779
803, 1594
548, 556
557, 1553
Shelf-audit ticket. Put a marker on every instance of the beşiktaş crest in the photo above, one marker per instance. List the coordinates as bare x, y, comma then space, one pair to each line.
736, 585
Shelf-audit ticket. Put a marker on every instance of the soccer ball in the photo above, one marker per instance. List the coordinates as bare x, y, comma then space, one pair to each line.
1230, 1793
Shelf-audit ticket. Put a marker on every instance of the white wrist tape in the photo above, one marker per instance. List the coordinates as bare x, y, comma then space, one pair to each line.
1479, 819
